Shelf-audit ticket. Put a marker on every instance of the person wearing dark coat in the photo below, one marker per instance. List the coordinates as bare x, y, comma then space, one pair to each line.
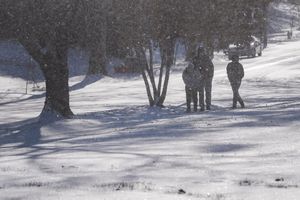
204, 63
235, 73
192, 79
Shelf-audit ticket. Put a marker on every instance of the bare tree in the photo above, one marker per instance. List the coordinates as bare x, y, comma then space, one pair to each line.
47, 29
161, 32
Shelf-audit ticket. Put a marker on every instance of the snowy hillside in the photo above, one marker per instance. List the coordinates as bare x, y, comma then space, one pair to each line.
118, 148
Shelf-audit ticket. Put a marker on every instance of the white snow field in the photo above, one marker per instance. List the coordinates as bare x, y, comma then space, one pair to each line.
117, 148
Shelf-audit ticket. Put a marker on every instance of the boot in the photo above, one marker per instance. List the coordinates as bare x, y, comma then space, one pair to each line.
195, 109
188, 109
242, 104
233, 106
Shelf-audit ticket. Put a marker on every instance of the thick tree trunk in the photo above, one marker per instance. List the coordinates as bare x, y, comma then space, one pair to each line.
57, 86
54, 65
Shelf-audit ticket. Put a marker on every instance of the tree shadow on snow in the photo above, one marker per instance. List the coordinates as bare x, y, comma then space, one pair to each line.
133, 116
85, 82
138, 124
260, 112
24, 99
25, 133
227, 148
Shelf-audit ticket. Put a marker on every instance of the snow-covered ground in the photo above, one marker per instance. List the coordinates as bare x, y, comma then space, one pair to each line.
119, 148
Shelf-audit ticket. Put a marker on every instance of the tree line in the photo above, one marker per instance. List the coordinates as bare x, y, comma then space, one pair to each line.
49, 28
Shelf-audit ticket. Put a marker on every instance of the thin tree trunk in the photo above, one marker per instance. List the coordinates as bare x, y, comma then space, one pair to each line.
168, 49
162, 66
151, 74
143, 63
150, 98
165, 87
167, 59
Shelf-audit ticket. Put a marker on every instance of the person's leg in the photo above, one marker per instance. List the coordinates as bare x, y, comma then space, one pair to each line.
241, 102
208, 88
188, 93
235, 94
201, 98
195, 99
239, 99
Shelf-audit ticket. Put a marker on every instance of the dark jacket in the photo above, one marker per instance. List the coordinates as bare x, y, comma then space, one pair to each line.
205, 65
192, 77
235, 71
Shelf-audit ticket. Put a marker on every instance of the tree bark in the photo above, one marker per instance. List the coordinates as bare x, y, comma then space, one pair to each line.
143, 64
54, 65
56, 73
150, 98
168, 49
162, 66
159, 93
165, 87
150, 70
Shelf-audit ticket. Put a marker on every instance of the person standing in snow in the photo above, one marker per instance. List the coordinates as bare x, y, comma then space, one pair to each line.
193, 84
204, 63
235, 73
